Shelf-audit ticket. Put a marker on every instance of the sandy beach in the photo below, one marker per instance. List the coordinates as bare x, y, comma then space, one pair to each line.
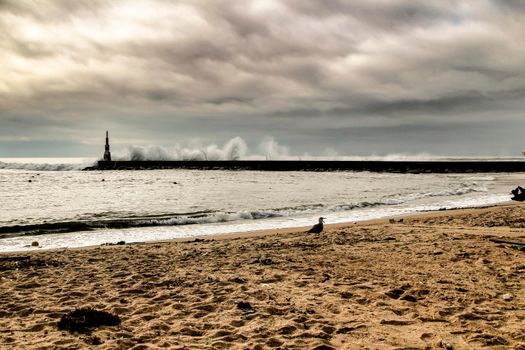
423, 282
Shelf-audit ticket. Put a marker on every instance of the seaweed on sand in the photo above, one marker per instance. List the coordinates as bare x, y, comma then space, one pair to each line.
83, 320
25, 262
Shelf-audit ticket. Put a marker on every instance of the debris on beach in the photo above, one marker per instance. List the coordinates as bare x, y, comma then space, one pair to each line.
14, 258
24, 262
518, 194
520, 246
84, 320
507, 297
118, 243
445, 345
246, 307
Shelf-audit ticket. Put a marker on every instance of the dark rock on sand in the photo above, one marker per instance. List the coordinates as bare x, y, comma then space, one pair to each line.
246, 307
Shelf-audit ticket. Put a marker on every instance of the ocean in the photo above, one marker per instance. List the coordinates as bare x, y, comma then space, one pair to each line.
53, 202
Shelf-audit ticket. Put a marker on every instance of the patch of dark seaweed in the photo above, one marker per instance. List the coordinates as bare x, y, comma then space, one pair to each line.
84, 320
27, 263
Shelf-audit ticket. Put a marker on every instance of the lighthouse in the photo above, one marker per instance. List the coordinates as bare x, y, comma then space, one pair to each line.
107, 153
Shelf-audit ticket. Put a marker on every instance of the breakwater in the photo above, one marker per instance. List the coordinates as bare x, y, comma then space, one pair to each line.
320, 165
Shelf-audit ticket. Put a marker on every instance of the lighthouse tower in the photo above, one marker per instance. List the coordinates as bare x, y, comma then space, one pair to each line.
107, 153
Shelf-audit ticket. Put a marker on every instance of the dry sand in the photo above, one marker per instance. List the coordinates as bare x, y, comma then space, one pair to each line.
430, 281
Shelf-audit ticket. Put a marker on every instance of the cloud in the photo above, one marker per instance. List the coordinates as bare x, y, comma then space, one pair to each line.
151, 69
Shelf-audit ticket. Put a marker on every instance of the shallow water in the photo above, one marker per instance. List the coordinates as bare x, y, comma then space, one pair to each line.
77, 208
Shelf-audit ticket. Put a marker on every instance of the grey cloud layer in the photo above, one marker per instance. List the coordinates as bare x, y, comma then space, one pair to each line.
270, 64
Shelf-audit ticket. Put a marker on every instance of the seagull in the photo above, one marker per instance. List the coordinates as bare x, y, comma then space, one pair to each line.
317, 228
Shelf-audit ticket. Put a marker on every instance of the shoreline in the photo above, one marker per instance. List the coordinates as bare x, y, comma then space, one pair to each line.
269, 232
429, 280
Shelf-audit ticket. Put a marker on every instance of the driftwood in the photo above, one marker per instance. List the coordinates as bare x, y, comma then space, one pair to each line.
506, 242
14, 258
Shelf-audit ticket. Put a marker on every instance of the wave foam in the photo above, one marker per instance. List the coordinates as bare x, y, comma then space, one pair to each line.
44, 166
462, 189
211, 217
234, 149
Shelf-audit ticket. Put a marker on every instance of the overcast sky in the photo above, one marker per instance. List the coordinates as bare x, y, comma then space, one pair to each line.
358, 77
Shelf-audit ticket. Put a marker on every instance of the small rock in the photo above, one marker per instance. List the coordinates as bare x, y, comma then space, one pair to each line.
34, 244
246, 307
243, 305
267, 261
392, 221
507, 297
445, 345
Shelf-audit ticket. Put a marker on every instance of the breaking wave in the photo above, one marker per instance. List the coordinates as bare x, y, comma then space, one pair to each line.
234, 149
44, 166
462, 189
269, 149
97, 221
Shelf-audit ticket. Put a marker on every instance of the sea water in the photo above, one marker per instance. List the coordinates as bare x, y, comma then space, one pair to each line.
55, 203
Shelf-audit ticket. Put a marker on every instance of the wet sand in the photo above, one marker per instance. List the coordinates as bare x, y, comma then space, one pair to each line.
422, 282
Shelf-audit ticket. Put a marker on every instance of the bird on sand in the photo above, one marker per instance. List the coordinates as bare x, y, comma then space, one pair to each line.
317, 228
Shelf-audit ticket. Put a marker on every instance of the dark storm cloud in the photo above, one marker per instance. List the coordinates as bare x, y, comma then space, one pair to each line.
467, 101
510, 5
388, 14
258, 67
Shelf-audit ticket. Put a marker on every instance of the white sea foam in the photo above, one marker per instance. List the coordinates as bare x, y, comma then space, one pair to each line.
131, 235
162, 204
233, 149
270, 149
46, 164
